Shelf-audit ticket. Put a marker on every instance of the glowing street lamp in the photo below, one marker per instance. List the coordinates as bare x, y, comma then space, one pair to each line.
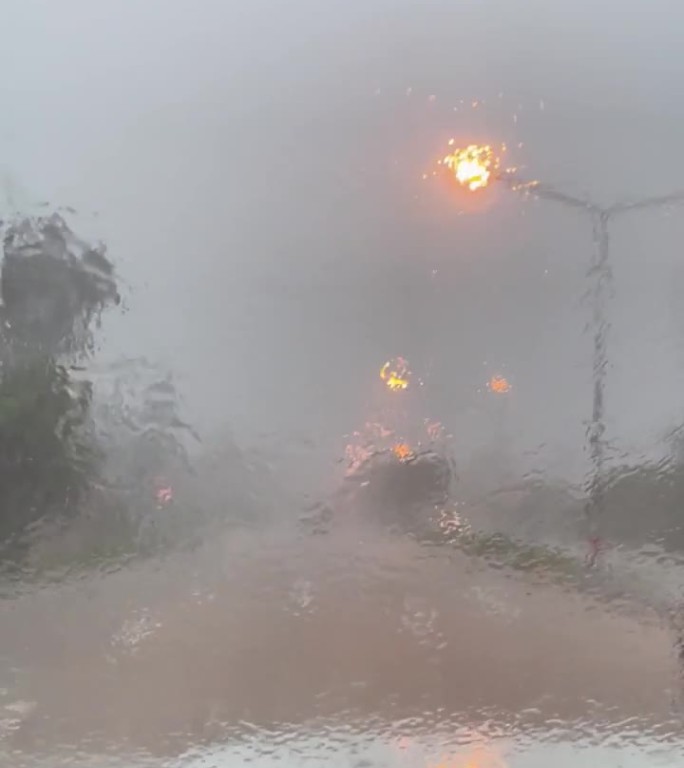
499, 385
395, 373
474, 168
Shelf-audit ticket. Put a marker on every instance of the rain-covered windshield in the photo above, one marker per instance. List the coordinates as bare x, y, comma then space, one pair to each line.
341, 415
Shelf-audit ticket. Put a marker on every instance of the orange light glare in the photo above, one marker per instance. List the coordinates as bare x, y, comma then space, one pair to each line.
402, 451
499, 385
395, 373
473, 165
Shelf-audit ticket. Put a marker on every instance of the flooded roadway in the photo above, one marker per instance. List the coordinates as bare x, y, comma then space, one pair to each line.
264, 633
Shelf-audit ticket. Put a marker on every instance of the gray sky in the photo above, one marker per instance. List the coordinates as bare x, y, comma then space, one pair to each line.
257, 170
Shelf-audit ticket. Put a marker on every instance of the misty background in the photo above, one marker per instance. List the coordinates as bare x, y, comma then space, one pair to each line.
257, 172
264, 176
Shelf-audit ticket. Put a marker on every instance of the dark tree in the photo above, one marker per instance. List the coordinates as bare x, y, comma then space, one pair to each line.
53, 288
